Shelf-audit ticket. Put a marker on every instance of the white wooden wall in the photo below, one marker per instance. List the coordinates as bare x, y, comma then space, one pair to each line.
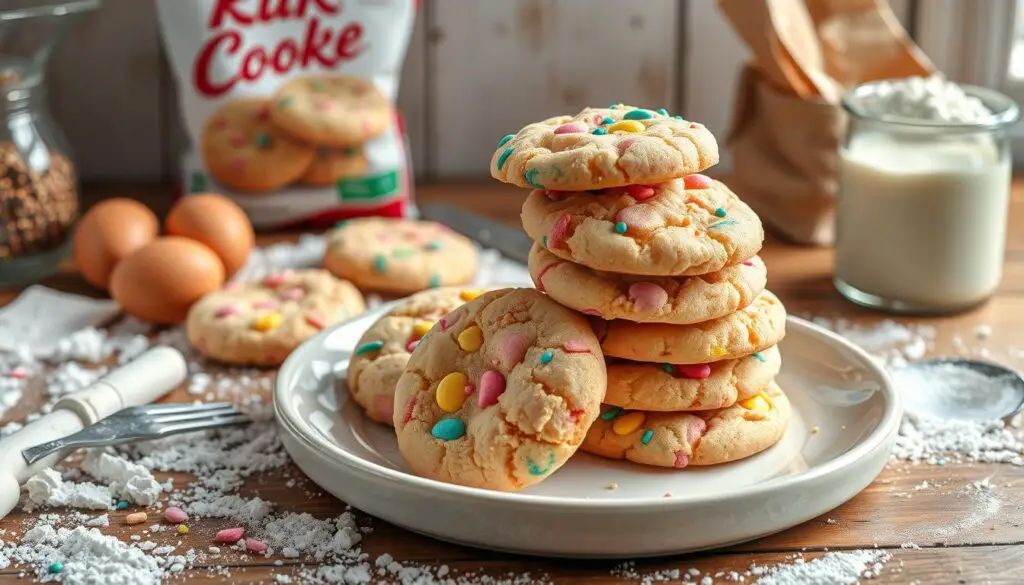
475, 70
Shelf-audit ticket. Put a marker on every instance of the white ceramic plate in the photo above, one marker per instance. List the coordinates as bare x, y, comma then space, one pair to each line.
831, 384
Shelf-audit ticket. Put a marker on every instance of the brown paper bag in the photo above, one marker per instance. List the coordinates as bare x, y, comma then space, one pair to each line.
785, 156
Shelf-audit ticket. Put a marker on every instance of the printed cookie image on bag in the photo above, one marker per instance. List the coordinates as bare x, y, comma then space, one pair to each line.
289, 106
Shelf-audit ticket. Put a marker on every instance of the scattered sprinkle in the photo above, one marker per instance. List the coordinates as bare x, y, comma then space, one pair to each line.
368, 347
546, 357
621, 227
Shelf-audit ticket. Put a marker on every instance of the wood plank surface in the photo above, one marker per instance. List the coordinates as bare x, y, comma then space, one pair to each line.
966, 534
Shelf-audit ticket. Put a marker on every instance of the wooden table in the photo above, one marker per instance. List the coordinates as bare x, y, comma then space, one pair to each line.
958, 543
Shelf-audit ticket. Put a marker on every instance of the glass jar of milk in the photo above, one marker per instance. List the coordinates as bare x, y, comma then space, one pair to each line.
924, 188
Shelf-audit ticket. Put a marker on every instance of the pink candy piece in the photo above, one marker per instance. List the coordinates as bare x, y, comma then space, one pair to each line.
175, 515
682, 460
469, 389
265, 305
575, 414
293, 294
226, 310
640, 192
571, 128
315, 320
274, 280
385, 407
694, 371
575, 346
255, 546
748, 263
695, 431
592, 312
450, 320
559, 232
639, 217
647, 296
622, 145
492, 385
697, 181
555, 195
18, 374
229, 535
409, 406
411, 345
510, 349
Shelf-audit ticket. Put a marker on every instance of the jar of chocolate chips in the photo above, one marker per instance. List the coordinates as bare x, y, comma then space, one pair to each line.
38, 182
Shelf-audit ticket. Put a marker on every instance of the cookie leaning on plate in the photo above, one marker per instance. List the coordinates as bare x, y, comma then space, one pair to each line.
673, 387
383, 351
679, 439
657, 299
679, 228
500, 393
399, 256
260, 323
331, 110
604, 147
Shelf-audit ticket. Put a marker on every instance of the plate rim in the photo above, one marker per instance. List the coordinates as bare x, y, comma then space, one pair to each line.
887, 427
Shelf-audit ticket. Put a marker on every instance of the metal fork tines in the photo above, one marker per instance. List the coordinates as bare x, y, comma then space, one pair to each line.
143, 423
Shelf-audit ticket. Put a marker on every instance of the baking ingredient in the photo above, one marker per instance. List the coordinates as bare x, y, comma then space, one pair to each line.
833, 568
217, 222
86, 557
38, 198
109, 232
933, 98
159, 282
126, 479
47, 488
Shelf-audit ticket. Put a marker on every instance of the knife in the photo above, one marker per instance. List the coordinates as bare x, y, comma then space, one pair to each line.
509, 241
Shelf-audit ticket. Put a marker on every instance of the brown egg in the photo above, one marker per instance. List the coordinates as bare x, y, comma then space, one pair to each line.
216, 221
158, 283
109, 232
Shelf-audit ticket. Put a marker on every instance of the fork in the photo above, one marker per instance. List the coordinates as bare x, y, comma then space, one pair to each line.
142, 423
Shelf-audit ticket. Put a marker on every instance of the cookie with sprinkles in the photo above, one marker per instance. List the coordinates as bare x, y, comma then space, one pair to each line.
752, 329
259, 323
399, 256
332, 164
656, 299
382, 352
683, 227
682, 439
501, 392
668, 387
604, 147
244, 151
331, 110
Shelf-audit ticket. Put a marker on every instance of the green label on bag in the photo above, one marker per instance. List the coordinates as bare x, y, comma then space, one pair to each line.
370, 187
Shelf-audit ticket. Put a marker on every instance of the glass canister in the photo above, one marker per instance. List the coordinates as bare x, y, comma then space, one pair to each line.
923, 205
38, 182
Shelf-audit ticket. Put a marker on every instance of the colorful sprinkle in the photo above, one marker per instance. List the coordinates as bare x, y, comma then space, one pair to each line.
718, 351
470, 294
449, 394
640, 192
433, 246
317, 85
535, 469
471, 339
182, 529
693, 371
647, 296
468, 390
628, 423
267, 322
544, 242
409, 406
571, 128
662, 111
255, 546
759, 357
510, 348
293, 294
403, 253
275, 280
611, 413
492, 386
263, 140
668, 369
421, 328
677, 117
229, 535
136, 518
648, 435
315, 320
368, 347
697, 181
504, 156
682, 460
720, 212
638, 114
621, 227
628, 126
226, 310
546, 357
412, 344
640, 217
748, 263
559, 231
379, 263
575, 346
758, 403
55, 568
122, 505
530, 176
504, 140
613, 107
624, 144
722, 224
599, 131
608, 120
175, 515
448, 429
435, 281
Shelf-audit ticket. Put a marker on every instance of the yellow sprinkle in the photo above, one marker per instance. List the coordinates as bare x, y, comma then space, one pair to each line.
470, 294
421, 328
757, 403
471, 338
267, 322
628, 423
182, 529
451, 392
718, 351
631, 126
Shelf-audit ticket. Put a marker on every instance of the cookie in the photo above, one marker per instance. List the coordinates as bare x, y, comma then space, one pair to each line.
754, 328
399, 256
604, 147
670, 387
683, 227
331, 110
658, 299
260, 323
679, 439
332, 164
243, 150
373, 375
500, 393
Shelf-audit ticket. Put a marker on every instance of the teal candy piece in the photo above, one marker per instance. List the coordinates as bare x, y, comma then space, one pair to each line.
638, 115
433, 246
368, 347
544, 242
504, 140
648, 435
448, 429
504, 156
435, 281
529, 175
611, 413
599, 131
621, 227
677, 117
668, 369
608, 120
546, 357
721, 224
612, 107
663, 112
537, 470
122, 505
380, 263
263, 140
55, 568
341, 223
759, 357
720, 212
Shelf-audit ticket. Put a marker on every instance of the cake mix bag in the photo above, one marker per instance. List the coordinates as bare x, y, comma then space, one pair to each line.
289, 105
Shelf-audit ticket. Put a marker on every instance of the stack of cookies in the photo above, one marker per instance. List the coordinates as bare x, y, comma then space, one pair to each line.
664, 261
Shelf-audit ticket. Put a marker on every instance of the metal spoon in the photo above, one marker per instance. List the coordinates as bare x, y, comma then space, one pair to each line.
973, 404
